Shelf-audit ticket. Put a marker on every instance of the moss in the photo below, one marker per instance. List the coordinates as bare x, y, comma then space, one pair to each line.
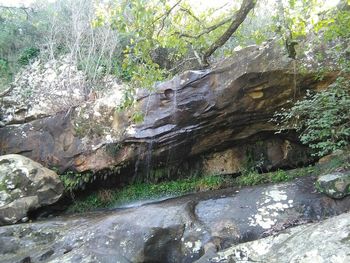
3, 187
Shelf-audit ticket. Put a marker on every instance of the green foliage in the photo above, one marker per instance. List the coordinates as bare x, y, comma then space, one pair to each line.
144, 191
137, 117
322, 118
158, 36
335, 27
254, 178
5, 73
16, 35
28, 55
73, 181
4, 67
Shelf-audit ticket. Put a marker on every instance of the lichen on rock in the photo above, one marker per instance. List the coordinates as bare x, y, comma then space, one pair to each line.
335, 185
25, 186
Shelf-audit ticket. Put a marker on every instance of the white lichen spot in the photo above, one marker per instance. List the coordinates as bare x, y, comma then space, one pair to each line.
263, 221
269, 208
189, 244
277, 195
197, 246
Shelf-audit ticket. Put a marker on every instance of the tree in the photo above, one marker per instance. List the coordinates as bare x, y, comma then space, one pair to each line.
322, 119
175, 33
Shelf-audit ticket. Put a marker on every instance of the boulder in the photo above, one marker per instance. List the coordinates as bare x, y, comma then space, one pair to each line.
25, 186
195, 113
326, 241
183, 229
335, 185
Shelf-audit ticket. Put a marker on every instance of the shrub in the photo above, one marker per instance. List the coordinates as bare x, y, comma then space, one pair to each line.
322, 118
27, 55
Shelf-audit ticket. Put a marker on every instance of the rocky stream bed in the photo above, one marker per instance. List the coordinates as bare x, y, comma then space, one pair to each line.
206, 227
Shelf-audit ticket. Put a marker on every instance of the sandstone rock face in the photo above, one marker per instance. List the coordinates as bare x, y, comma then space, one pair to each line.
336, 185
24, 186
261, 155
327, 241
177, 230
193, 114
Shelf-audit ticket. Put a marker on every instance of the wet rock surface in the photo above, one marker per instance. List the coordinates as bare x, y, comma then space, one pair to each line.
25, 186
195, 113
177, 230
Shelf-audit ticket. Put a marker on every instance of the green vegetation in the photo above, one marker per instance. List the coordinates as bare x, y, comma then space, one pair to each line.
322, 118
137, 117
145, 41
144, 191
107, 198
138, 191
28, 55
255, 178
73, 181
3, 186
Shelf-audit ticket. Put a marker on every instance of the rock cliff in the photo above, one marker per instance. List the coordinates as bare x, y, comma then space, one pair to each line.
192, 115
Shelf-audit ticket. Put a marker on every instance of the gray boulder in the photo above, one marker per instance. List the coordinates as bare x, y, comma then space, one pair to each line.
335, 185
24, 186
327, 241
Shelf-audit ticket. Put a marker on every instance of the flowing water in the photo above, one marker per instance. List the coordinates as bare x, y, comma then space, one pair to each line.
149, 158
149, 148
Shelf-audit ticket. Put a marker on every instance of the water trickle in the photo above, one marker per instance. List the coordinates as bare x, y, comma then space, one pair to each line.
149, 158
137, 163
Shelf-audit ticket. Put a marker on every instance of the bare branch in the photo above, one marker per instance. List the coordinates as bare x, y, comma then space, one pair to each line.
208, 29
190, 13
